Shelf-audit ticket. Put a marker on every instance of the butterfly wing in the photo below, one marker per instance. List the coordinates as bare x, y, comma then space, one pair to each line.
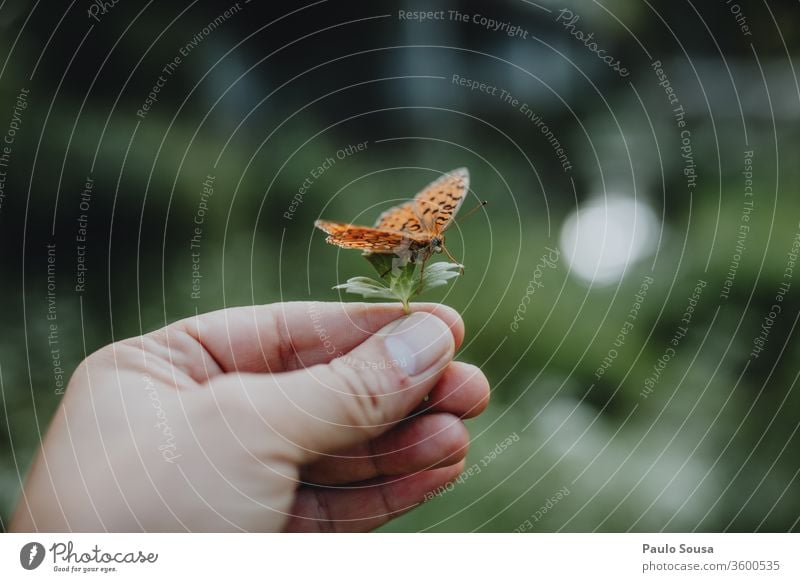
409, 226
373, 240
432, 210
403, 218
437, 204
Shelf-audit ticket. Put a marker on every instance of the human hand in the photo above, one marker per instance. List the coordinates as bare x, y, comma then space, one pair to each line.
284, 417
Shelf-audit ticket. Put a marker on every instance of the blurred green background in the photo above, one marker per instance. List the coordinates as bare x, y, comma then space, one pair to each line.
266, 95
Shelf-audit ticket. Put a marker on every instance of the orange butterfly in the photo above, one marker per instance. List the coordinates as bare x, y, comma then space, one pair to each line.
411, 230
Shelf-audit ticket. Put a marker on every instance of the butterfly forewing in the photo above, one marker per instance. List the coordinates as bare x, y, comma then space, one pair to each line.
437, 204
432, 210
403, 217
374, 240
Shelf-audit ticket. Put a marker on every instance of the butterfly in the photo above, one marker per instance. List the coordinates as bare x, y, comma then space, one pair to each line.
413, 230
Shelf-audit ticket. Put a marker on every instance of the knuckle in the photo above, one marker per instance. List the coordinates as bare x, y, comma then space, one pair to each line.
365, 391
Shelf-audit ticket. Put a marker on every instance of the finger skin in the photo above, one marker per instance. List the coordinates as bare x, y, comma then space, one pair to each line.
327, 408
418, 444
463, 390
237, 458
368, 506
287, 336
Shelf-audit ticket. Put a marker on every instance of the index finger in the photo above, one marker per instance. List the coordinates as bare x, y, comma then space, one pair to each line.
281, 337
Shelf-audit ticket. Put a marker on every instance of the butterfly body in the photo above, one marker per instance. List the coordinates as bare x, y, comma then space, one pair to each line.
413, 230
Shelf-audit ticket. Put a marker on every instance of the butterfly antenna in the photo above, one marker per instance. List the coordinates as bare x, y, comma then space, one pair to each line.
469, 213
452, 258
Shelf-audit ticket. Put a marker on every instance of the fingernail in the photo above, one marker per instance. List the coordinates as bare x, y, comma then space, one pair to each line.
418, 342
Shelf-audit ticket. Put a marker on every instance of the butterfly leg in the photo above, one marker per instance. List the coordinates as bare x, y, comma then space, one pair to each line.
452, 258
422, 271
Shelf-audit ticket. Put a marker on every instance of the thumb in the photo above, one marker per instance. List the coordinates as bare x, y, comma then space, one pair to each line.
363, 393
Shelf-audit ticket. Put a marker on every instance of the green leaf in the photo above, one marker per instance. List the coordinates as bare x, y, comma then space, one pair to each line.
399, 279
